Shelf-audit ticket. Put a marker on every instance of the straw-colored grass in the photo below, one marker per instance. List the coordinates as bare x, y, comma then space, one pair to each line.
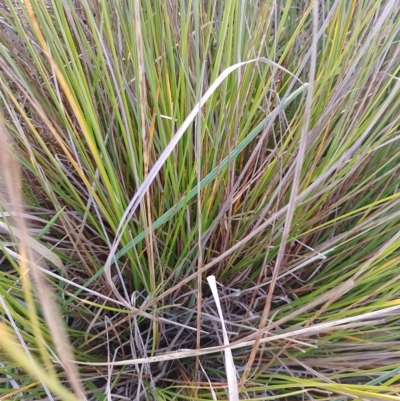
150, 147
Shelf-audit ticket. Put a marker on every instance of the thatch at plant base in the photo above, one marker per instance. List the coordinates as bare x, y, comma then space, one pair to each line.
162, 144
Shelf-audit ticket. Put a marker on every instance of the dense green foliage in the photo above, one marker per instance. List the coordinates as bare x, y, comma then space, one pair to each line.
161, 143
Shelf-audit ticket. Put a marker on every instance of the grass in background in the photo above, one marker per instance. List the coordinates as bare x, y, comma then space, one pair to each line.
161, 143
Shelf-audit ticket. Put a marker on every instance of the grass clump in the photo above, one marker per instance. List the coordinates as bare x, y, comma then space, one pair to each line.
161, 144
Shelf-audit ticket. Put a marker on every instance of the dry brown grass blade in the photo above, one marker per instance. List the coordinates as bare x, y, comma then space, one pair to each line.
146, 140
293, 195
11, 194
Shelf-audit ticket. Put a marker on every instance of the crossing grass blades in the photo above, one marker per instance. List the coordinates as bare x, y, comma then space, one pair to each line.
149, 148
